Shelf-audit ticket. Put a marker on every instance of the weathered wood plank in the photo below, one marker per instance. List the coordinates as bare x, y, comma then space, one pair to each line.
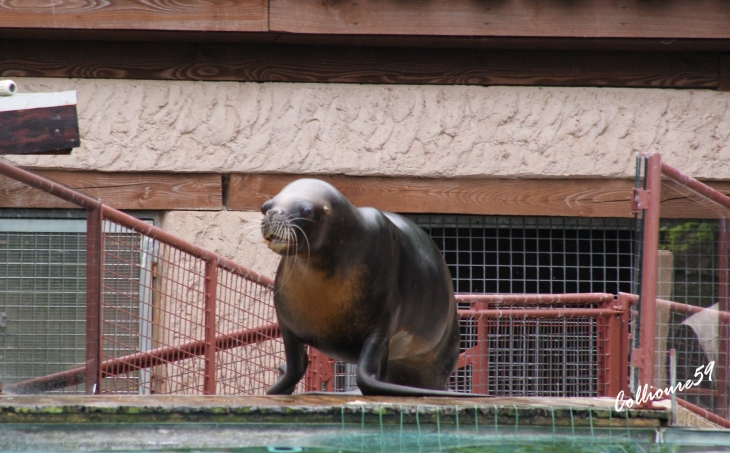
39, 130
143, 191
294, 63
704, 19
565, 197
528, 197
192, 15
701, 19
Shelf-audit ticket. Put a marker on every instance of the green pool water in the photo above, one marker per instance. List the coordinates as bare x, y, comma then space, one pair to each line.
273, 438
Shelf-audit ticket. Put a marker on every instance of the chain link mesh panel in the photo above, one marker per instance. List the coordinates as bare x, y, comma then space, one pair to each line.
692, 314
154, 303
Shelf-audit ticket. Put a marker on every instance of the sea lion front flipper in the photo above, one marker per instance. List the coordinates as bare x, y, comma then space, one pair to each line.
294, 368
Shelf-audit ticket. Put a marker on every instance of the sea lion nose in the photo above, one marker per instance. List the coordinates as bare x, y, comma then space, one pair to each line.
274, 215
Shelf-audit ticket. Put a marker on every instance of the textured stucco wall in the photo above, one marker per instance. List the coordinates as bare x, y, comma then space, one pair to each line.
235, 235
131, 125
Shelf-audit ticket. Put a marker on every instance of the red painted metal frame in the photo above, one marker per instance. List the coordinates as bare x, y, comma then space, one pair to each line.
211, 283
644, 356
93, 300
723, 374
94, 369
163, 236
613, 319
691, 309
714, 418
694, 185
541, 313
84, 201
148, 359
536, 299
626, 301
482, 307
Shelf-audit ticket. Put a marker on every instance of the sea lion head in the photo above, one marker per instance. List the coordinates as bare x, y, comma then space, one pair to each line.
297, 220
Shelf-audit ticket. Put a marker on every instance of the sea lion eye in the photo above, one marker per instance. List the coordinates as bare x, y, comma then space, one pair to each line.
265, 207
307, 211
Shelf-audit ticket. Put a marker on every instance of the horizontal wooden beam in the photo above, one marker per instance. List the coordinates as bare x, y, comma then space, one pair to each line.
483, 196
134, 191
529, 197
699, 19
304, 63
197, 15
479, 196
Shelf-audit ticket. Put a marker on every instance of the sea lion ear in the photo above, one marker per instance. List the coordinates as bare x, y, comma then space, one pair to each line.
327, 209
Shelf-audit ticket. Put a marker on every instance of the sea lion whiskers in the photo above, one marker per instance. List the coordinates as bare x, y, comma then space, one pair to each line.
293, 239
284, 232
252, 229
291, 236
296, 256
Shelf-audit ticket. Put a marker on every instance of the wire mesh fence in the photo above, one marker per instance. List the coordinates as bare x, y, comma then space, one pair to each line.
165, 316
693, 272
534, 255
563, 345
42, 282
186, 319
684, 287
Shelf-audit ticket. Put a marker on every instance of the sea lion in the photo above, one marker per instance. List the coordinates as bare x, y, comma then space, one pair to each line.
363, 286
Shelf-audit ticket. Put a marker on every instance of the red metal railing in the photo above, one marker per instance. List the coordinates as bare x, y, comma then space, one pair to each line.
557, 345
156, 304
670, 195
166, 316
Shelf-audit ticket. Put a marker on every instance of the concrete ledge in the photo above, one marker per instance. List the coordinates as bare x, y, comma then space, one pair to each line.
308, 409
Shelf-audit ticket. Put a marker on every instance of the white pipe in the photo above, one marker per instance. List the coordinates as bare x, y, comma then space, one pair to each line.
8, 87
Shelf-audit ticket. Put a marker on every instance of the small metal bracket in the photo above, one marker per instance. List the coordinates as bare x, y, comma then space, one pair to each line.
639, 200
3, 319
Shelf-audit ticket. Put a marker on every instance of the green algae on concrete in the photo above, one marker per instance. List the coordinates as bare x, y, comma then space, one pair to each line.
313, 409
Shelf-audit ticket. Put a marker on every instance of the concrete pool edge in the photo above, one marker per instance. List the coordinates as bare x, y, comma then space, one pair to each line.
307, 409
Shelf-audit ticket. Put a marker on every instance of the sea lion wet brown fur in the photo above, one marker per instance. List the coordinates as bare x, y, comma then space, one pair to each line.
362, 286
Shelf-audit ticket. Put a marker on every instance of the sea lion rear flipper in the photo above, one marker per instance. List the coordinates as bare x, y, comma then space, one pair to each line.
293, 369
371, 369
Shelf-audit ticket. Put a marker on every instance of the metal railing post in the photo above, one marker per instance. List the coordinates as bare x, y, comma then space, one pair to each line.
609, 330
649, 266
320, 372
93, 301
723, 294
624, 301
211, 283
480, 360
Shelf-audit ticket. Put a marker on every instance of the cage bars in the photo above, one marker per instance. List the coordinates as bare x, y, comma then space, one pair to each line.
644, 356
93, 300
221, 334
104, 284
701, 332
527, 345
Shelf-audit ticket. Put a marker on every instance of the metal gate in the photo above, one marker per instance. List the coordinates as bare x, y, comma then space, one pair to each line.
684, 311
